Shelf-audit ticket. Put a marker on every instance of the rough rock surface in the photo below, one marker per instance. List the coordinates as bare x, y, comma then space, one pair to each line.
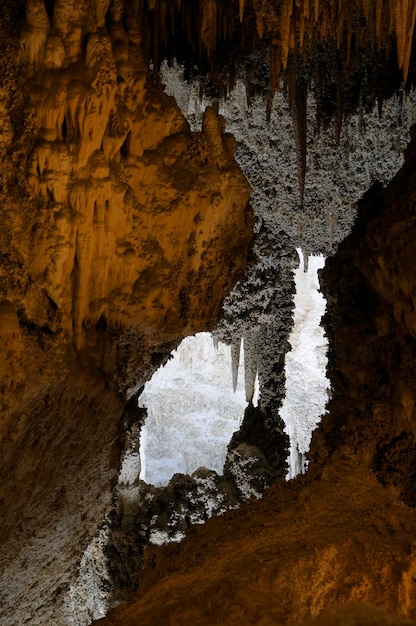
374, 437
371, 329
121, 233
340, 167
344, 532
303, 547
144, 514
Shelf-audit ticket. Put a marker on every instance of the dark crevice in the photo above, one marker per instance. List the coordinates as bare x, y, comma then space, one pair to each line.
49, 9
125, 148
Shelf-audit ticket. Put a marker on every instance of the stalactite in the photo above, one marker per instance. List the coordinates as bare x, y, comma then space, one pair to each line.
290, 23
241, 8
298, 105
209, 33
218, 38
340, 28
249, 82
285, 31
304, 260
379, 21
332, 224
157, 38
275, 68
316, 10
409, 38
250, 364
340, 108
163, 23
235, 361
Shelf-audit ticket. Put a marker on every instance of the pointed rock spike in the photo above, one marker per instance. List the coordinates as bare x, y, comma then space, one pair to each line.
241, 7
316, 7
250, 365
298, 103
235, 361
379, 21
410, 25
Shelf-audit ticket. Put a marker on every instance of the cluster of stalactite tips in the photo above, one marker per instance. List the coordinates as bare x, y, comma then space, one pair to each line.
287, 28
350, 53
338, 49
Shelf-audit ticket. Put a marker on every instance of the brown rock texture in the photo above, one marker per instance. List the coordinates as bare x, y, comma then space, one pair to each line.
121, 232
332, 539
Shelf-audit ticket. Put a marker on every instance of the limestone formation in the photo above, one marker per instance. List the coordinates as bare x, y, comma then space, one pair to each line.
117, 226
122, 231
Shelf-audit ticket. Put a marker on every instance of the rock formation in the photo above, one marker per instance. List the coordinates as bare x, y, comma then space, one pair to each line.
345, 531
122, 231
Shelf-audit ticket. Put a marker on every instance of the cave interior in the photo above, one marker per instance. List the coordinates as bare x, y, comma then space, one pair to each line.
160, 162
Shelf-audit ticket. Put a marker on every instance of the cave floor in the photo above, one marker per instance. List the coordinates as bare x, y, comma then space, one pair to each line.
324, 539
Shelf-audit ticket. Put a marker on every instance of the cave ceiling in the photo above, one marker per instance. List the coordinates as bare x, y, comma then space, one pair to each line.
122, 231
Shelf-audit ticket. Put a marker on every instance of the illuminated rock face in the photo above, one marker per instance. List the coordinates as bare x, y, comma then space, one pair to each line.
112, 158
121, 233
